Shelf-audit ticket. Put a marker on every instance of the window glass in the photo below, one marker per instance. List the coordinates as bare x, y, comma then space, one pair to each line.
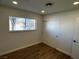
18, 24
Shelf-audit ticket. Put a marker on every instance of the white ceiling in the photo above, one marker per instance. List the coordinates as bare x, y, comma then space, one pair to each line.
38, 5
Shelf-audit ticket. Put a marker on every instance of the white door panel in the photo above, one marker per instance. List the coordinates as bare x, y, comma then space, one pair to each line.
75, 47
75, 51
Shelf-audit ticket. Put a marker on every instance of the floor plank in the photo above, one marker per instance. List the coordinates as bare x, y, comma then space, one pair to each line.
39, 51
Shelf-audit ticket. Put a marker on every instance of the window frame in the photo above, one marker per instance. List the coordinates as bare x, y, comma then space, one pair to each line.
25, 25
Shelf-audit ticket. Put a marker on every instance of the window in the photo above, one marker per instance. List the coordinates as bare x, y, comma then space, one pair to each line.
19, 24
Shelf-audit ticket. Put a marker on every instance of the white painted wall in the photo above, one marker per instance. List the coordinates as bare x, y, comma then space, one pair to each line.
59, 30
13, 40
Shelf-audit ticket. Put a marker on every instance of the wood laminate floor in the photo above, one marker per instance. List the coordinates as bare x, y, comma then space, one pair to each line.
39, 51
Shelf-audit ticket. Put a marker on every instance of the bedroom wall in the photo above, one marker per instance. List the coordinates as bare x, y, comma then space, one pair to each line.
10, 41
58, 30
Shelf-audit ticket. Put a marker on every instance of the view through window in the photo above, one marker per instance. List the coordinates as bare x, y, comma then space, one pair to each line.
19, 24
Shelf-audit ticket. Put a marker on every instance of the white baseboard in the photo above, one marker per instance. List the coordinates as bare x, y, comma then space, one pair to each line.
29, 46
63, 51
59, 49
3, 53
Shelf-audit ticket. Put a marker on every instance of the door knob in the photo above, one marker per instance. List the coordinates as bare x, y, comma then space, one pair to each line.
75, 41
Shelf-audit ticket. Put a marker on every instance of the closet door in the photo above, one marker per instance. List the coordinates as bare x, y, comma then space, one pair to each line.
75, 47
66, 27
